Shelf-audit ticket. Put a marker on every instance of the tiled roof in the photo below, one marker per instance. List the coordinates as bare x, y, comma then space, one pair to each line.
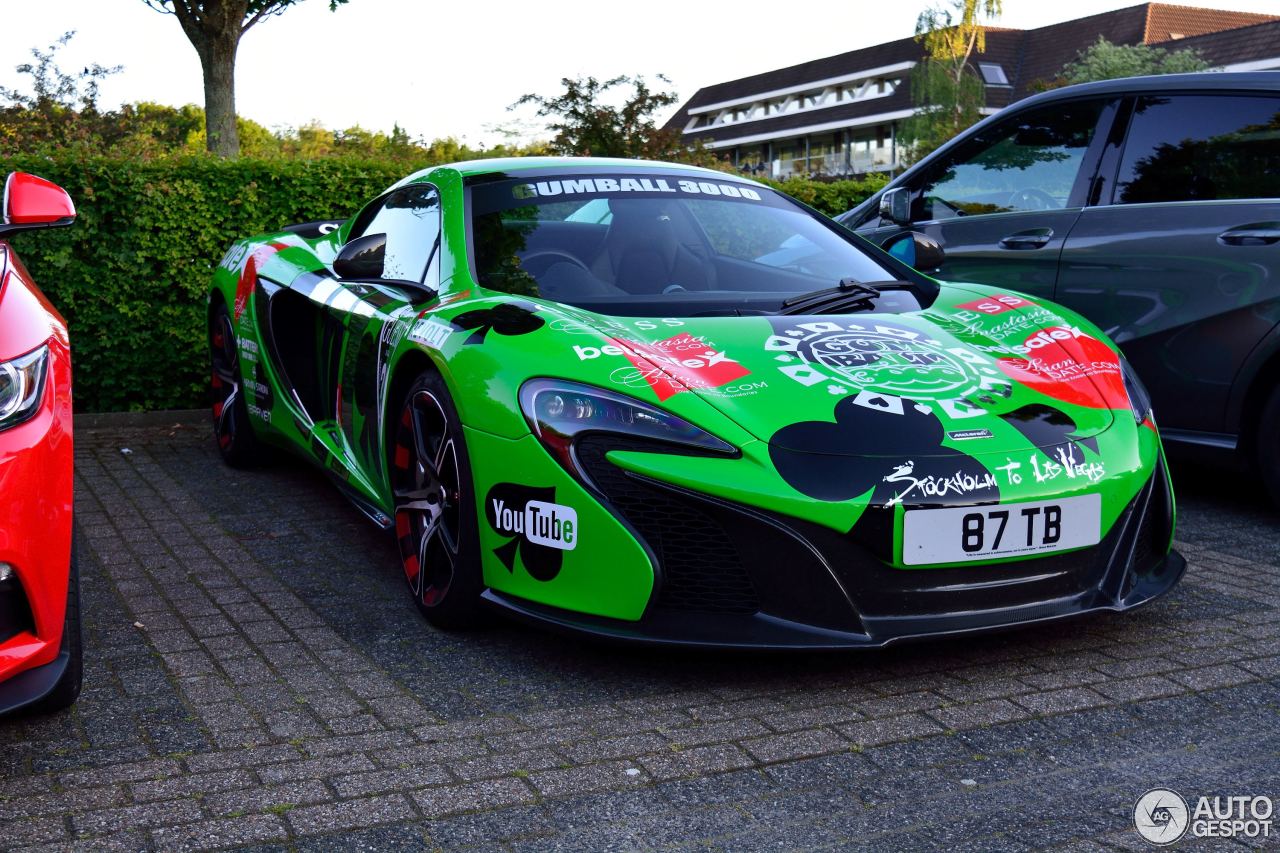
1046, 49
1244, 44
1165, 21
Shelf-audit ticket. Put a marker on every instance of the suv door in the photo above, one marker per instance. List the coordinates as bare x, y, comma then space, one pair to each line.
1002, 202
1180, 263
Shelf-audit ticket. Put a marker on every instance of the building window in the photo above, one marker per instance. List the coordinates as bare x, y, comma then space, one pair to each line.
992, 74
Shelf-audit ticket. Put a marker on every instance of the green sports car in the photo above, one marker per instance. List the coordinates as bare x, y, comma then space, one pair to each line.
663, 404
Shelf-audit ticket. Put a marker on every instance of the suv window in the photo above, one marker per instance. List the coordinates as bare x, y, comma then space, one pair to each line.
1201, 147
410, 217
1029, 162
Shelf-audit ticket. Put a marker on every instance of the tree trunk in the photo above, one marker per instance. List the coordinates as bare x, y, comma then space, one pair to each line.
218, 60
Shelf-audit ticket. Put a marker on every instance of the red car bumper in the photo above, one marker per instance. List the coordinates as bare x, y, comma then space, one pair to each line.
35, 538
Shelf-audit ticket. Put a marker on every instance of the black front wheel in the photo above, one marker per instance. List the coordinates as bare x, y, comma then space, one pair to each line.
435, 506
236, 441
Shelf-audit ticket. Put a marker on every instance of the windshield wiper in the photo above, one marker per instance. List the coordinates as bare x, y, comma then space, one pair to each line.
849, 294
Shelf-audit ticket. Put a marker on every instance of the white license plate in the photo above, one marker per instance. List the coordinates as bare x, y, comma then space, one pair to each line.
961, 534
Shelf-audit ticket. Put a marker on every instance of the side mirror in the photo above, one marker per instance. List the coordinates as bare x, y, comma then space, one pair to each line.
363, 257
31, 202
916, 250
895, 206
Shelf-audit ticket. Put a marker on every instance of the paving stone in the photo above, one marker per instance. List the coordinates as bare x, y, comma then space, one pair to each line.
606, 775
697, 760
978, 714
259, 798
36, 830
1060, 701
350, 814
520, 825
715, 732
314, 768
226, 832
615, 747
184, 786
795, 745
485, 794
504, 764
905, 727
102, 821
381, 781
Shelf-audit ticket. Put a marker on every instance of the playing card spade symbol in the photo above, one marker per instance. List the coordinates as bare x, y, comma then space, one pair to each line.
508, 318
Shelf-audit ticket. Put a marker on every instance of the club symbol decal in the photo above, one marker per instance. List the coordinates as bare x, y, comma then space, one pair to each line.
540, 529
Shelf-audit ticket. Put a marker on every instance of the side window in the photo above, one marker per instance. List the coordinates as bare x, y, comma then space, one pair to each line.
1201, 147
410, 217
1029, 162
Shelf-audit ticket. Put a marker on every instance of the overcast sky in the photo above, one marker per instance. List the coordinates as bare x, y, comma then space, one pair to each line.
452, 69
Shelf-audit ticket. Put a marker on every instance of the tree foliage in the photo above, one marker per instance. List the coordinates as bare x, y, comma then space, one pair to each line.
947, 93
214, 28
587, 124
57, 113
60, 108
1103, 60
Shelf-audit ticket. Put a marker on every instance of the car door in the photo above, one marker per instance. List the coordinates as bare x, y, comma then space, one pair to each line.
1181, 263
355, 324
1002, 202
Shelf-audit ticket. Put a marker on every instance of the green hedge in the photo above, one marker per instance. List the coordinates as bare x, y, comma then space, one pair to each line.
131, 275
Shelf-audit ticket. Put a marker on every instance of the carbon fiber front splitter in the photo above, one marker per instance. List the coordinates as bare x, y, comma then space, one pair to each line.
762, 631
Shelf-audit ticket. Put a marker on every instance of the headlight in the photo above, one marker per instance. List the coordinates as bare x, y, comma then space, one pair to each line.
559, 411
1139, 399
21, 386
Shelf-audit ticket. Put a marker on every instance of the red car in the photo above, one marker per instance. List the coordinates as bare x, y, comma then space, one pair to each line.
40, 649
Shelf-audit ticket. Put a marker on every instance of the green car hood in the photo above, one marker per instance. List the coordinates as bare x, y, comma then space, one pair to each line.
978, 377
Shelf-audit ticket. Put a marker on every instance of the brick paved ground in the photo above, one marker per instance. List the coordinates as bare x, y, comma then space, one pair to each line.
280, 690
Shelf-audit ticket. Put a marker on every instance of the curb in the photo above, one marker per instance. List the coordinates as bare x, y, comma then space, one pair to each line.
121, 420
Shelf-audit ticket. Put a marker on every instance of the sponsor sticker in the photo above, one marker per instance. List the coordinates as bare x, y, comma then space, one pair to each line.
538, 529
883, 364
679, 363
596, 186
997, 304
431, 333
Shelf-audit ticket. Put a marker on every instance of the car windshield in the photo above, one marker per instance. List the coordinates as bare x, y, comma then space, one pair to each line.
652, 243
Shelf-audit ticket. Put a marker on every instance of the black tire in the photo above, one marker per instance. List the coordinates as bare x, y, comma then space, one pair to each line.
1269, 445
231, 429
435, 512
67, 690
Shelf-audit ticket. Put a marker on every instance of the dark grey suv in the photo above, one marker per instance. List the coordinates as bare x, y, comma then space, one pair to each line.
1151, 205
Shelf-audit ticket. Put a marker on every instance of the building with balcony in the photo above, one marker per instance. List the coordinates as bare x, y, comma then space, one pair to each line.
842, 115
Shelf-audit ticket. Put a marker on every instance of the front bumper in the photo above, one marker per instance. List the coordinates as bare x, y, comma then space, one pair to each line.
732, 576
35, 534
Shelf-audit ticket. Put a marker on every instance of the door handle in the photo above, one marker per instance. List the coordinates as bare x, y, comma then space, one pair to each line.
1263, 234
1034, 239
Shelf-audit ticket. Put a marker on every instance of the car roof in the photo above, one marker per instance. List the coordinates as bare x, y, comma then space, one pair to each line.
1202, 81
502, 165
